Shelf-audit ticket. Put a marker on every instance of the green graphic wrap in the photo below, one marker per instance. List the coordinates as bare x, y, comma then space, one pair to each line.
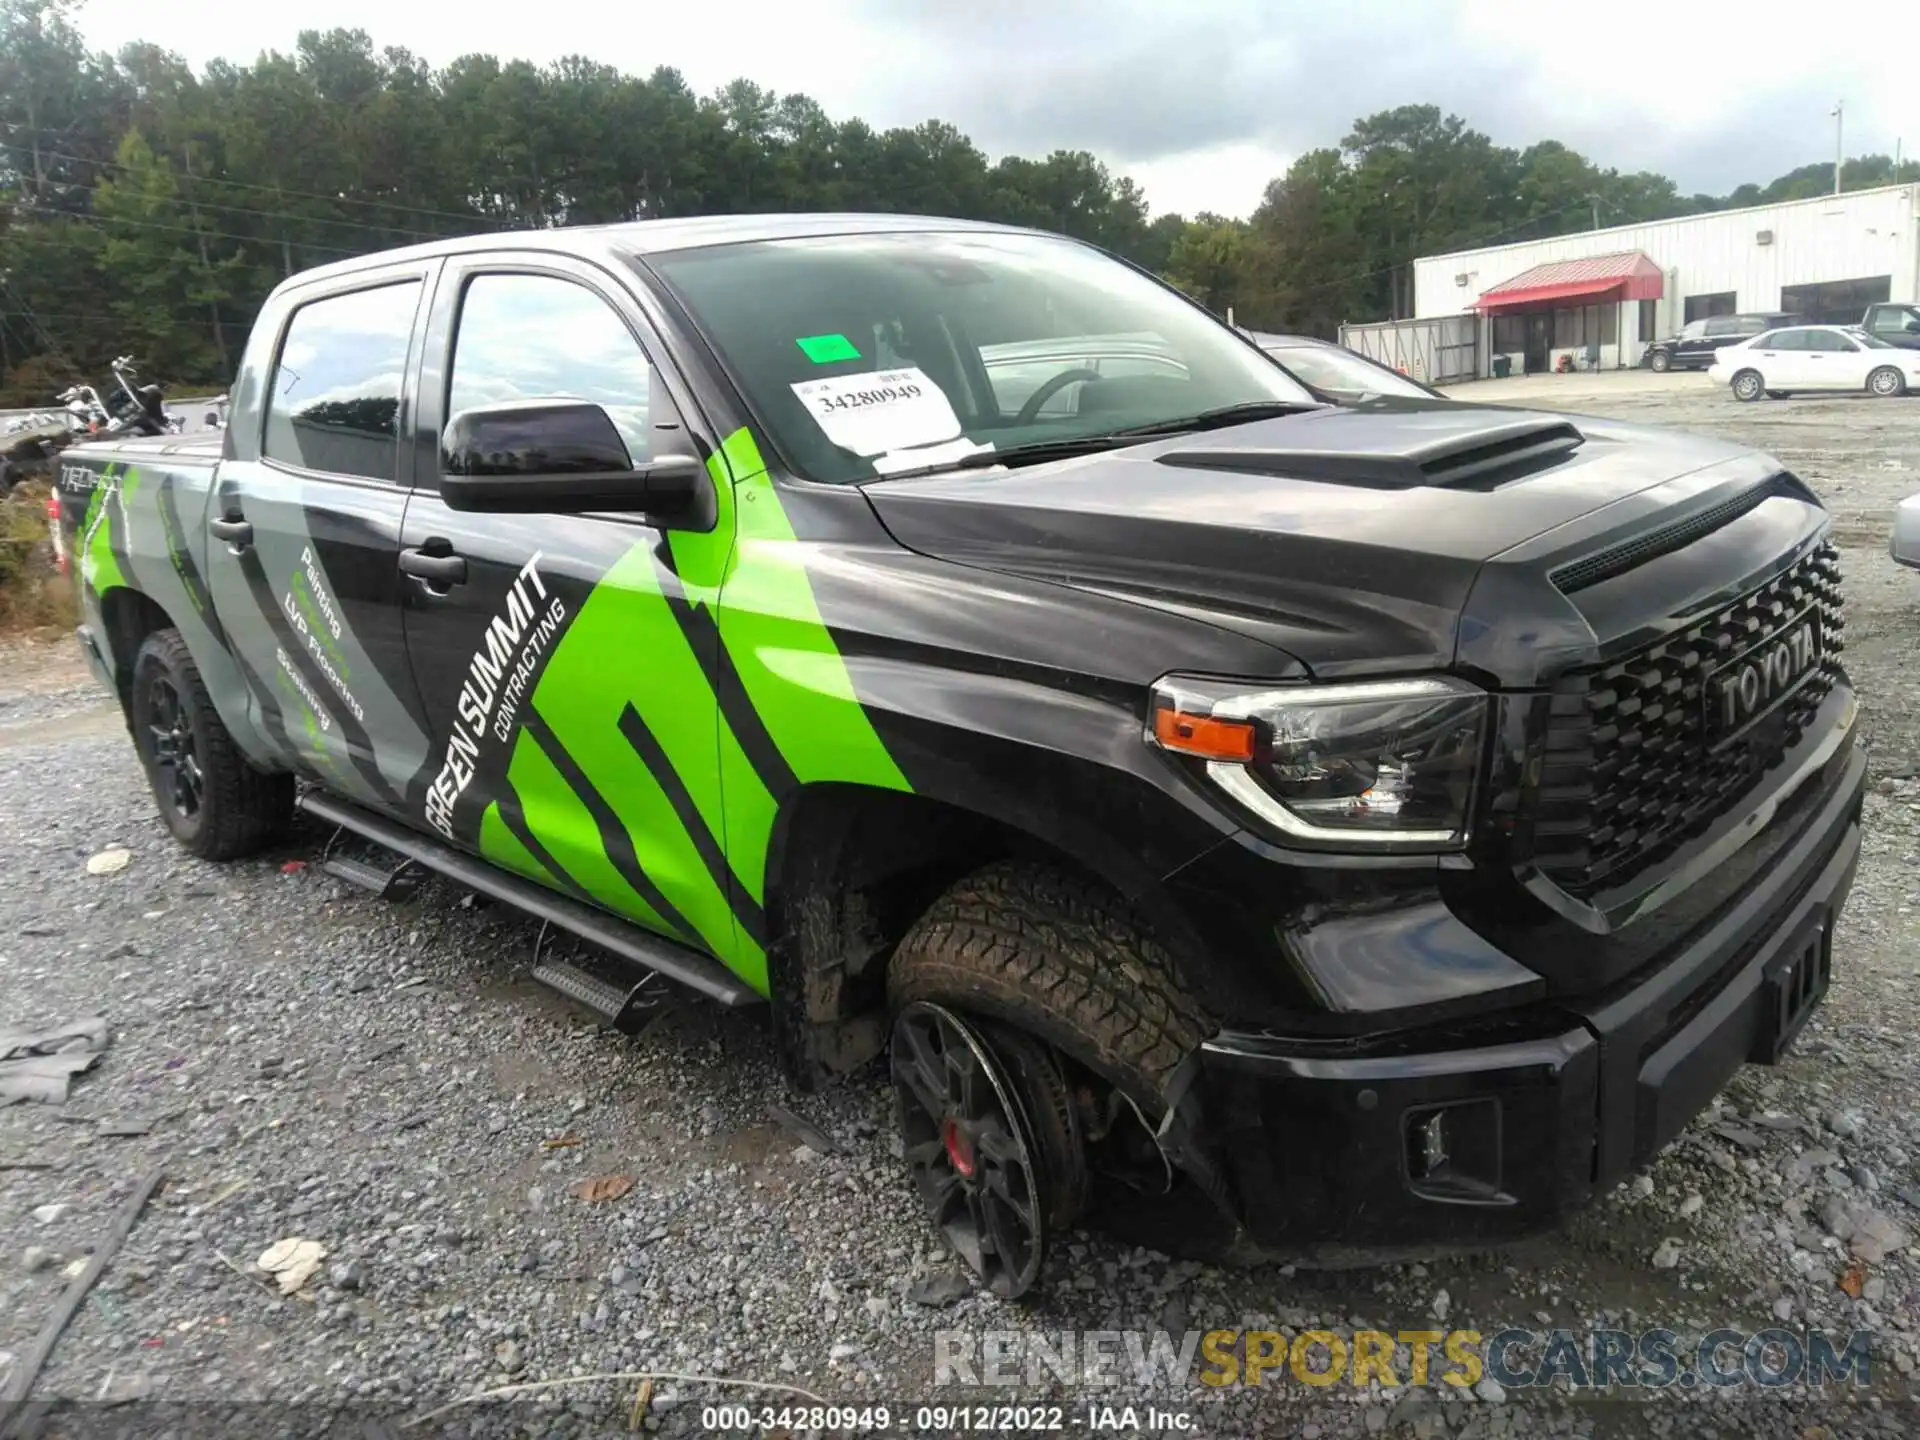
99, 569
629, 704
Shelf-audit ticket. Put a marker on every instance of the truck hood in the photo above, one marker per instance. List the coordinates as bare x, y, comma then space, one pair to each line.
1350, 539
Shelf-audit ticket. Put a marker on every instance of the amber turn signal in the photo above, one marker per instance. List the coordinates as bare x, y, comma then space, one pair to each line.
1203, 735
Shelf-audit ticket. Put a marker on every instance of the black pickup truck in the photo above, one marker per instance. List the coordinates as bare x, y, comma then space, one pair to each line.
1345, 832
1893, 323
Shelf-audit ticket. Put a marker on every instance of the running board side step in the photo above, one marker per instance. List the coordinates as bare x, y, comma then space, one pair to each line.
399, 883
637, 947
623, 1008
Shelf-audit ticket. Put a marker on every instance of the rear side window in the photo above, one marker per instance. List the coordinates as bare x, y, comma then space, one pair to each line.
334, 400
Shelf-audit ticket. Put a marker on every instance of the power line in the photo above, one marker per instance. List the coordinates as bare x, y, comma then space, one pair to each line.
288, 215
1498, 235
99, 220
279, 190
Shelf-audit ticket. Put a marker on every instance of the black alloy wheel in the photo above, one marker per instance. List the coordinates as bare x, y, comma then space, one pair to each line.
178, 780
969, 1147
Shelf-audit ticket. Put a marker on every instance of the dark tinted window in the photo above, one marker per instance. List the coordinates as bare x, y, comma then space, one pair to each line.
541, 337
1727, 325
1828, 340
334, 401
1790, 340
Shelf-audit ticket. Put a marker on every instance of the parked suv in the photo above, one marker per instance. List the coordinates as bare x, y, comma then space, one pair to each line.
1693, 348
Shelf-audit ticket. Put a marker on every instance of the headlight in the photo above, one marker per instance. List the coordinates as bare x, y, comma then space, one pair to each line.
1381, 763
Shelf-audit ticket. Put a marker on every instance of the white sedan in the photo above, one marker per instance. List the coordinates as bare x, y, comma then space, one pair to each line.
1814, 357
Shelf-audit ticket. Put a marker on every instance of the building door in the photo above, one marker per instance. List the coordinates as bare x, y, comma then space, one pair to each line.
1836, 302
1539, 344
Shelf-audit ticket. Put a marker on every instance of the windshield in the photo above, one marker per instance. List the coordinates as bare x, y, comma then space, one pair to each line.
1342, 371
864, 355
1870, 340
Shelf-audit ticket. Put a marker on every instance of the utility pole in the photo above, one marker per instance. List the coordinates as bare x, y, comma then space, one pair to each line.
1839, 121
1595, 200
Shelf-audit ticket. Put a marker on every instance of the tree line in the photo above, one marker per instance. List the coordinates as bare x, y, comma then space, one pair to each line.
147, 208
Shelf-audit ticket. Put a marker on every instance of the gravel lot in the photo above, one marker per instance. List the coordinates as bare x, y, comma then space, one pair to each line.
384, 1079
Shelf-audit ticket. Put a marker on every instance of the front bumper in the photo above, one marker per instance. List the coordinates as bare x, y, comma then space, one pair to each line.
1328, 1155
1904, 544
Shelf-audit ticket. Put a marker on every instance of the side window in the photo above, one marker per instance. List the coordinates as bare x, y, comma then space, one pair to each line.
1828, 340
1789, 340
526, 337
334, 401
1693, 330
1722, 325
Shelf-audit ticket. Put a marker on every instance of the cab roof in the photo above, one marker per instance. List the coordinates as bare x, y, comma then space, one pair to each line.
647, 237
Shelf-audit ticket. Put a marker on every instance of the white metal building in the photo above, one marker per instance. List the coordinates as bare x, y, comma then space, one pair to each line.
1599, 296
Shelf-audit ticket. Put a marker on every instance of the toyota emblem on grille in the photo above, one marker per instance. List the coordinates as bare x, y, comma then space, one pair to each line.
1746, 689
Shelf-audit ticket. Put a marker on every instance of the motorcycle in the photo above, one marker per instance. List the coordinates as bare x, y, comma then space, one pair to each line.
141, 410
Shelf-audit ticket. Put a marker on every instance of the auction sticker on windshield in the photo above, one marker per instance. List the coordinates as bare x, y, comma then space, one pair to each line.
886, 410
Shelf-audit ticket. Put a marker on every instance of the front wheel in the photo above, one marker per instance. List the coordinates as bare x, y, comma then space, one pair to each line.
216, 804
1015, 985
1661, 362
1748, 385
1886, 381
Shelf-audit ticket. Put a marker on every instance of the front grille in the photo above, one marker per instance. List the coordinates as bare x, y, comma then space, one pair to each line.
1628, 772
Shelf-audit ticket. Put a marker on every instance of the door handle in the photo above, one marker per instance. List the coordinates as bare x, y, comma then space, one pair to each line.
233, 528
435, 569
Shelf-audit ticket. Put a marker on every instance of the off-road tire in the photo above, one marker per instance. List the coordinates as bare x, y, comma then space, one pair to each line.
1063, 959
242, 810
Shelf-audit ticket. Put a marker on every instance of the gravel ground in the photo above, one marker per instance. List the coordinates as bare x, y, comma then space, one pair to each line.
383, 1079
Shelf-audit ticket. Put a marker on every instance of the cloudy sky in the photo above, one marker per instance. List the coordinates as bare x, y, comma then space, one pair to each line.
1203, 101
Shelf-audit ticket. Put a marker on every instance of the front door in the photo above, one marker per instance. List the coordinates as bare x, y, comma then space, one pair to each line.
1539, 346
305, 527
563, 660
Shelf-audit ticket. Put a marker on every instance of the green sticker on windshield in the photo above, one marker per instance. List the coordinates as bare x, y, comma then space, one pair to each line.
825, 349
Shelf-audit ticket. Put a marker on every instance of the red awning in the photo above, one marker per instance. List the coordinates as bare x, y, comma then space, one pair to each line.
1626, 275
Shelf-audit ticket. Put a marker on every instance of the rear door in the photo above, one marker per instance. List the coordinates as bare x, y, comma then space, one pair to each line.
1783, 361
567, 663
305, 530
1690, 346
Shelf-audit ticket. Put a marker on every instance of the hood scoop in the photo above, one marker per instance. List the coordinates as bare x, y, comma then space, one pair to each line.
1480, 457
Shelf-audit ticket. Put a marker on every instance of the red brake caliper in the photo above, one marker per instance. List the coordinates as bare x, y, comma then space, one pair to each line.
959, 1150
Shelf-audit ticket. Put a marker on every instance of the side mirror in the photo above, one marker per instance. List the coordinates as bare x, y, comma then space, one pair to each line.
564, 457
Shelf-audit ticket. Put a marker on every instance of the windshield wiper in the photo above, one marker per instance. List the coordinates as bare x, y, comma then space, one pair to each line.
1243, 413
1039, 452
1036, 453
